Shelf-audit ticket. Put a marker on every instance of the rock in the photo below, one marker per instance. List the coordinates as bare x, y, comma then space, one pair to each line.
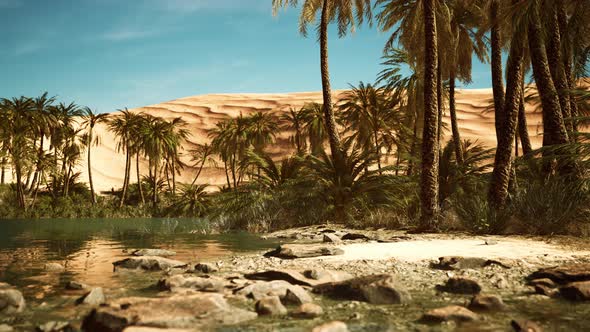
206, 268
197, 283
489, 242
331, 238
355, 236
95, 297
563, 274
544, 290
74, 285
6, 328
297, 295
543, 282
482, 302
148, 263
54, 267
459, 285
375, 289
285, 291
198, 311
292, 251
11, 300
461, 263
270, 306
324, 276
154, 329
449, 313
55, 327
335, 326
291, 276
525, 326
153, 252
576, 291
308, 311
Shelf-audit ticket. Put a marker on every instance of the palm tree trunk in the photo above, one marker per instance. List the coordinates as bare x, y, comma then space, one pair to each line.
523, 131
126, 180
155, 187
553, 125
226, 174
429, 176
19, 186
3, 175
139, 185
39, 159
326, 90
92, 194
502, 163
413, 148
439, 104
454, 125
174, 175
496, 64
377, 150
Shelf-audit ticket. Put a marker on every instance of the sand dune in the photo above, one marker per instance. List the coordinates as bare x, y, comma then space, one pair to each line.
476, 122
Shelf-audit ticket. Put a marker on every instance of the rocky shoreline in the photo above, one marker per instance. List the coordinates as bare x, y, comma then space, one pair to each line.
310, 284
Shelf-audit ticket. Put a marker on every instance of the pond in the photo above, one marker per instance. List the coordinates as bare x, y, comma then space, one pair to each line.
87, 248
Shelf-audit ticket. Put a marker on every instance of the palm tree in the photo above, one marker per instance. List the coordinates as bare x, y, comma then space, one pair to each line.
261, 129
201, 155
43, 121
294, 122
178, 134
314, 124
273, 174
192, 200
122, 125
89, 120
343, 13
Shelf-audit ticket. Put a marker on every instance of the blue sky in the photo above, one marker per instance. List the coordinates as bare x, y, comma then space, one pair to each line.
110, 54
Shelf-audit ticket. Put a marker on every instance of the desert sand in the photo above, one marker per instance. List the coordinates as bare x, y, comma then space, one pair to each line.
476, 122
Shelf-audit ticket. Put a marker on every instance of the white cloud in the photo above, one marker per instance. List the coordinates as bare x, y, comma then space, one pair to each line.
125, 34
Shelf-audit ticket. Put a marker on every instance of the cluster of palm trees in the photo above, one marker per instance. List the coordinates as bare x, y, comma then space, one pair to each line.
551, 37
42, 143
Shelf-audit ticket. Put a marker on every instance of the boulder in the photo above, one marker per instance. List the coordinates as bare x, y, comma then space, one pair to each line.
308, 311
154, 329
459, 285
270, 306
297, 295
55, 327
307, 278
287, 292
148, 263
563, 274
449, 313
95, 297
11, 300
355, 236
335, 326
375, 289
54, 267
525, 326
482, 302
292, 251
75, 285
543, 282
180, 281
461, 263
324, 276
6, 328
153, 252
331, 238
576, 291
198, 311
206, 268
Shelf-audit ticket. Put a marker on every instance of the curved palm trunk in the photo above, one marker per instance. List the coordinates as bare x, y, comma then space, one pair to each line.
454, 125
496, 64
377, 149
326, 90
139, 185
19, 186
155, 187
174, 176
523, 131
502, 163
126, 180
429, 176
3, 175
37, 172
93, 195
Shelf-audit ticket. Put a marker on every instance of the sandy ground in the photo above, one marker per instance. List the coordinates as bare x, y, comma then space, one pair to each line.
419, 250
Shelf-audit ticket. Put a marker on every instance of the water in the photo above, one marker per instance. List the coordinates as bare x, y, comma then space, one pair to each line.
87, 248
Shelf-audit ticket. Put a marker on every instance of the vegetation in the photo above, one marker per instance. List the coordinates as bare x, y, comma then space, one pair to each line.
375, 157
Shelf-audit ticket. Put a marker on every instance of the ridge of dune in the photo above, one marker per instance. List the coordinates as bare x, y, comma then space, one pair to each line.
202, 112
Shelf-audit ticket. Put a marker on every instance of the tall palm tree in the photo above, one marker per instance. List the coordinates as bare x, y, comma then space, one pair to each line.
122, 126
343, 13
43, 121
89, 120
201, 155
430, 155
315, 126
293, 120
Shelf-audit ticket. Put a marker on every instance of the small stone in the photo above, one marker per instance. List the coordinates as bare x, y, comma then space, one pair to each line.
55, 327
544, 290
153, 252
297, 295
181, 281
331, 238
308, 310
94, 298
335, 326
449, 313
148, 263
75, 285
482, 302
525, 326
6, 328
11, 300
543, 282
270, 306
490, 242
54, 267
355, 236
459, 285
206, 268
